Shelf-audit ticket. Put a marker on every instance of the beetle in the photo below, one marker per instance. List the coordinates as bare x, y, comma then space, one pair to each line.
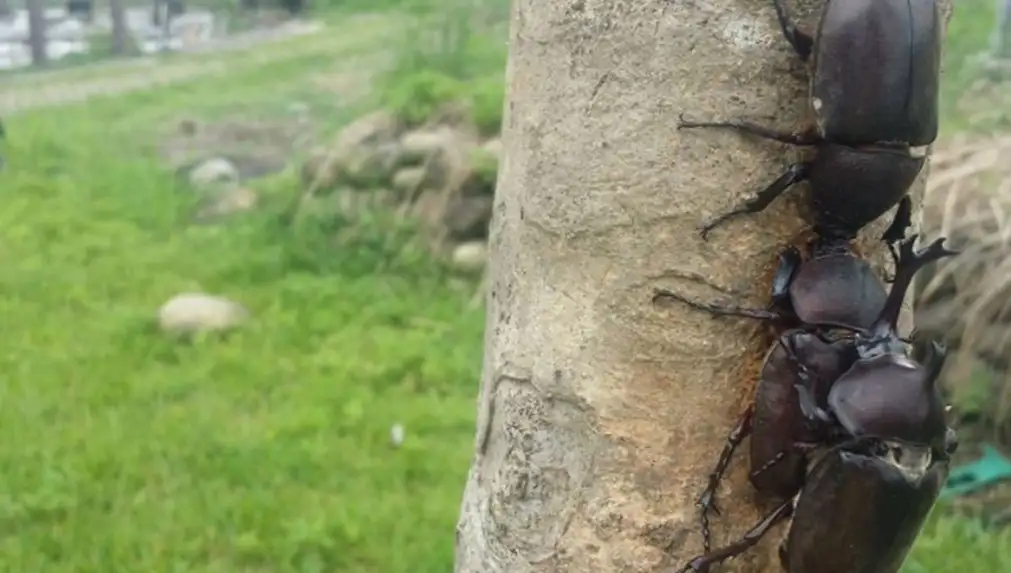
833, 285
874, 80
861, 372
861, 508
876, 395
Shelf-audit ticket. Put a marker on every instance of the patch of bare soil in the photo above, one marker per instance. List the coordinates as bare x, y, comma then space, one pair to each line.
256, 147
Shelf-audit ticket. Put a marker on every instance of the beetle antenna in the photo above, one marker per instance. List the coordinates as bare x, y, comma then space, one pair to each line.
910, 262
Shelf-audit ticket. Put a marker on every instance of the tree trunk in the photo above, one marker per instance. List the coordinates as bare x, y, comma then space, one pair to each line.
601, 414
37, 32
1000, 43
122, 42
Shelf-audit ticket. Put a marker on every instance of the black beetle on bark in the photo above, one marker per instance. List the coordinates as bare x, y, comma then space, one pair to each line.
861, 373
874, 91
833, 285
861, 508
884, 419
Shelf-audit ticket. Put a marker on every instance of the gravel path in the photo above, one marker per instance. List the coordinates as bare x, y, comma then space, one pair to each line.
74, 85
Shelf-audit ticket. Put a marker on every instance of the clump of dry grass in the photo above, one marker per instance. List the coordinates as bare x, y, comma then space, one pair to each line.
966, 300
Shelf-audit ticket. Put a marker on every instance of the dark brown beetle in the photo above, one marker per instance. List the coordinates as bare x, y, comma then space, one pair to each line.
910, 407
802, 371
861, 508
832, 286
873, 92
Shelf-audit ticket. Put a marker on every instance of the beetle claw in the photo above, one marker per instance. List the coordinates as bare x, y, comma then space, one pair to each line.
707, 502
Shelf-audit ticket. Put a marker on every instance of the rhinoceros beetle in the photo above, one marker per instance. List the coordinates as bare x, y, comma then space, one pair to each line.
874, 93
832, 286
860, 509
862, 374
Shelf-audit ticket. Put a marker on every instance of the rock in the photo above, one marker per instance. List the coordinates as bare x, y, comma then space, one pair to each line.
383, 198
188, 126
428, 208
193, 312
418, 146
229, 202
445, 152
214, 172
369, 166
396, 435
320, 170
467, 218
493, 147
372, 129
470, 256
365, 154
409, 179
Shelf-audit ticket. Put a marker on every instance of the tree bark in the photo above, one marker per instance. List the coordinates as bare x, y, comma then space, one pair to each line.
600, 414
37, 32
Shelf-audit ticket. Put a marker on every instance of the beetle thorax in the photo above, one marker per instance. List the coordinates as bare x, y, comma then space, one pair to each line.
911, 461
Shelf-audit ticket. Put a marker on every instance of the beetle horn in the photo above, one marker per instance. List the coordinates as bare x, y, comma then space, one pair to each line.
910, 262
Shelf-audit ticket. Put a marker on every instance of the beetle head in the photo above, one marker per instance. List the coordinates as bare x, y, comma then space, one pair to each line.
892, 397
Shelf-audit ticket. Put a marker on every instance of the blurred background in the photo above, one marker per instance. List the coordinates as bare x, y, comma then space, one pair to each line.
299, 195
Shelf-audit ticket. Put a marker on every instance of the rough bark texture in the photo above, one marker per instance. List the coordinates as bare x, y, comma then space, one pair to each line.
600, 414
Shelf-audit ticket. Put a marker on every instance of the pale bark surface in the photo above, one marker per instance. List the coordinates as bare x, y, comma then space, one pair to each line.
600, 414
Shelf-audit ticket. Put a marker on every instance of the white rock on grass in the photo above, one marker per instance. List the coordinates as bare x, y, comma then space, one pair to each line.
396, 435
493, 147
470, 256
214, 171
193, 312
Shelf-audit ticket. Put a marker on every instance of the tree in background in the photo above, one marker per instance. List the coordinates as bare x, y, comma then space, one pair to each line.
1000, 44
122, 40
600, 414
37, 32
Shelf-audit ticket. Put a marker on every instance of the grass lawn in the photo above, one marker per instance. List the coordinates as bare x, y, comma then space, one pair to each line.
266, 451
269, 450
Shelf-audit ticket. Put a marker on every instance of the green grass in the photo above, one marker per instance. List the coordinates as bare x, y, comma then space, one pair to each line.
955, 545
264, 451
267, 450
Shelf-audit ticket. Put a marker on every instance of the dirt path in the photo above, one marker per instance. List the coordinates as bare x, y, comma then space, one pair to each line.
60, 87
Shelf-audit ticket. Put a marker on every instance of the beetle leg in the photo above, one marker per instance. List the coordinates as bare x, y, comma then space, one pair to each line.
784, 557
789, 262
802, 42
802, 447
716, 309
702, 563
809, 407
808, 136
794, 174
707, 501
897, 231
